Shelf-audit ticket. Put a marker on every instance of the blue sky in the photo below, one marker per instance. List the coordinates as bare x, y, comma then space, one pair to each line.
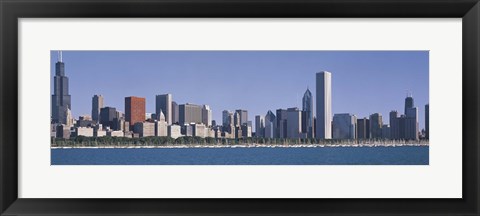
363, 82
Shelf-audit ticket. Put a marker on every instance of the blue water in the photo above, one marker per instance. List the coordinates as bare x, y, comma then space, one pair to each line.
407, 155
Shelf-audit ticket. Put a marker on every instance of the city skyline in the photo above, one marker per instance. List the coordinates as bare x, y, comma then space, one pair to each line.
213, 92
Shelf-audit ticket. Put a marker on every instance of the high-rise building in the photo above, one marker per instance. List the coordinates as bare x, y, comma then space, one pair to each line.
236, 119
175, 113
411, 124
144, 129
107, 116
427, 121
206, 115
394, 125
281, 130
294, 122
307, 108
270, 125
343, 126
164, 103
386, 131
376, 124
190, 113
408, 102
225, 117
324, 105
243, 114
259, 126
363, 128
161, 126
134, 110
61, 99
97, 104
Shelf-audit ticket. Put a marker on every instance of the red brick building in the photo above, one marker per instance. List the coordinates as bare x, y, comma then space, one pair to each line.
134, 110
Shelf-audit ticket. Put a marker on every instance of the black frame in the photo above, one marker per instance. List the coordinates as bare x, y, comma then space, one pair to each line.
11, 10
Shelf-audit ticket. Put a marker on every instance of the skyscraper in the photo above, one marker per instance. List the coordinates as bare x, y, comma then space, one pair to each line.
307, 108
324, 105
134, 110
206, 115
376, 124
394, 125
270, 125
164, 103
427, 121
61, 99
408, 102
175, 113
294, 122
259, 126
363, 128
190, 113
225, 118
344, 126
243, 116
411, 124
107, 116
281, 130
97, 104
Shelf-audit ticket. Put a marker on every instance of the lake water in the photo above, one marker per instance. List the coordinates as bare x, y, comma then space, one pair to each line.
406, 155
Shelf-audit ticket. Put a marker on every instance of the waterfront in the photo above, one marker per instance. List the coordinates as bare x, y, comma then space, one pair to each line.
300, 155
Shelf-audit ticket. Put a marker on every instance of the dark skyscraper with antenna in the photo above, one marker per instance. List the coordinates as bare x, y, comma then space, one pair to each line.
61, 99
408, 102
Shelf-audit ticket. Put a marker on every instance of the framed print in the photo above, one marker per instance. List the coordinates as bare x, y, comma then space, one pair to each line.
225, 107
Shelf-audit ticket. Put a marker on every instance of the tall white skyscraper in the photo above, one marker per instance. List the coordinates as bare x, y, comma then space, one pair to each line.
324, 105
163, 103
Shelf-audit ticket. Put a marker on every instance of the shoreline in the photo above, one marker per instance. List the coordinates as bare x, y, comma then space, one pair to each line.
246, 146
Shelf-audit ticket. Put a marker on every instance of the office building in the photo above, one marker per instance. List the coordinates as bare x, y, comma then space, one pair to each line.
190, 113
61, 99
84, 131
307, 117
270, 125
175, 113
294, 123
206, 115
411, 124
226, 117
376, 124
408, 102
363, 128
259, 126
164, 103
63, 131
144, 129
174, 131
161, 125
243, 116
281, 127
344, 126
246, 130
324, 105
394, 125
386, 131
108, 116
97, 104
134, 110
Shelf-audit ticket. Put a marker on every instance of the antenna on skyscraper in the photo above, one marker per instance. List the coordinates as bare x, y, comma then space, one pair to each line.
60, 56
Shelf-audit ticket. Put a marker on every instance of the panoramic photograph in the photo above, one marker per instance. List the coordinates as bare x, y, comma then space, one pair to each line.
237, 107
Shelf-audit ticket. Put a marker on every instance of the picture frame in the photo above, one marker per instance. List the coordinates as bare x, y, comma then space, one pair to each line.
10, 204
